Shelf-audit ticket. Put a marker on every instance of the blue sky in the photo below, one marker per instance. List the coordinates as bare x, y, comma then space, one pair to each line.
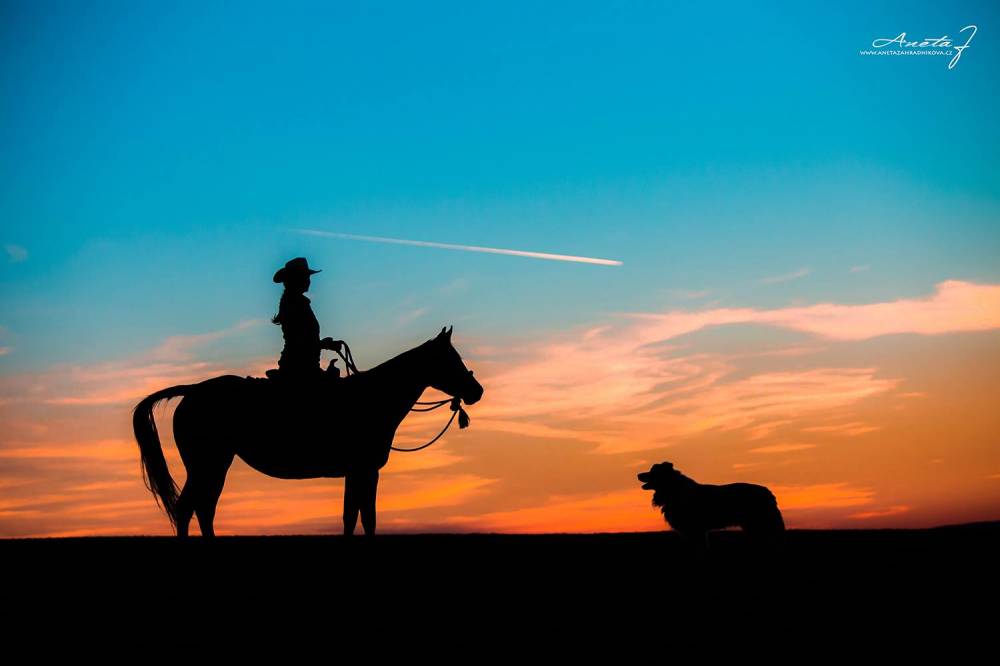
155, 162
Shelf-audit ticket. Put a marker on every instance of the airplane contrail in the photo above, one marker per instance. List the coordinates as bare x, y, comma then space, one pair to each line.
463, 248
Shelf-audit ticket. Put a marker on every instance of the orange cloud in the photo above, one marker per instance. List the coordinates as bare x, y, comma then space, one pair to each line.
624, 511
639, 400
822, 496
881, 513
848, 429
286, 507
111, 449
782, 448
627, 388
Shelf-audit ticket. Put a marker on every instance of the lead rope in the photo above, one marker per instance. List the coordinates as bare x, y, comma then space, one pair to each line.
428, 406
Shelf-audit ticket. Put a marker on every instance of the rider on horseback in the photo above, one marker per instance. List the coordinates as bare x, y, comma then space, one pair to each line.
300, 357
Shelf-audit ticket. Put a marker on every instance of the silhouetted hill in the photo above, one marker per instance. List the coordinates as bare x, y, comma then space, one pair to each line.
505, 590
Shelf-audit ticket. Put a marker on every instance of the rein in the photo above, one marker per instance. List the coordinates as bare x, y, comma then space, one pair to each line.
345, 353
428, 406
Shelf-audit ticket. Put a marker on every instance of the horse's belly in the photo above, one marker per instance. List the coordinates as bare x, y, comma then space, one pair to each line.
306, 455
295, 459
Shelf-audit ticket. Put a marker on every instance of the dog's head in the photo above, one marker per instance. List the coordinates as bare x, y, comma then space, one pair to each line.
661, 476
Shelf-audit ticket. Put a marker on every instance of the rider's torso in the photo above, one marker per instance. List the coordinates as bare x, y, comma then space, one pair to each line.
300, 329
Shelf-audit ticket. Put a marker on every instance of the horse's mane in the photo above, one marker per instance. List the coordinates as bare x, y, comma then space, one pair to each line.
391, 365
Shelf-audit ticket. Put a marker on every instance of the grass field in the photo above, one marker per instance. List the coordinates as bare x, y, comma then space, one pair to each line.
505, 591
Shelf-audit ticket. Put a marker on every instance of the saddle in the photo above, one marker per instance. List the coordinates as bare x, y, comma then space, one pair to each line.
276, 374
291, 390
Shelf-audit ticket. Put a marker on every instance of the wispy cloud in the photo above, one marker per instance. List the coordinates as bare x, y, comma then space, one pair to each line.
15, 253
605, 512
181, 347
457, 286
860, 269
411, 315
954, 306
881, 513
822, 495
177, 360
463, 248
786, 277
849, 429
672, 393
688, 294
782, 448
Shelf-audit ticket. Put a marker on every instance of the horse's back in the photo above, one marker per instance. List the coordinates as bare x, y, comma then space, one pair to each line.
255, 392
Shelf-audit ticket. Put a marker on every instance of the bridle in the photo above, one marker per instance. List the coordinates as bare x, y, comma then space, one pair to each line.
426, 406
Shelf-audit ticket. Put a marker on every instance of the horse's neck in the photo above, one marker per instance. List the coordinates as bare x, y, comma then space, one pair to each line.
401, 380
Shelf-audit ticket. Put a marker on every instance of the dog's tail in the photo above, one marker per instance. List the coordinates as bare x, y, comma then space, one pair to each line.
775, 522
767, 528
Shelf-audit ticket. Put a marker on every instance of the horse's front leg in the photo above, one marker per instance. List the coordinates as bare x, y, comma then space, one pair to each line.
369, 483
352, 505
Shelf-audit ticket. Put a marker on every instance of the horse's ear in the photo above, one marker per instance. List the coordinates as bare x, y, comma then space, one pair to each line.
448, 334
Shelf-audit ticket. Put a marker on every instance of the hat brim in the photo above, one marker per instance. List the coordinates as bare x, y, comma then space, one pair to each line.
282, 274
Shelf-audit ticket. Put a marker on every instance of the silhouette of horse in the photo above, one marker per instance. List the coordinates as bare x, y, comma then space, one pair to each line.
339, 428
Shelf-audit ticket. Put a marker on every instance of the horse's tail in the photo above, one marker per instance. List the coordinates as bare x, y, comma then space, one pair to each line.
154, 466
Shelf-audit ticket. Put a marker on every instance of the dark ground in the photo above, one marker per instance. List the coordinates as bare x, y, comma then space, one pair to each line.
508, 593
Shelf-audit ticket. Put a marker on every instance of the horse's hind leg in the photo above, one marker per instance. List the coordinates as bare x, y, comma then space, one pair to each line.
185, 509
208, 483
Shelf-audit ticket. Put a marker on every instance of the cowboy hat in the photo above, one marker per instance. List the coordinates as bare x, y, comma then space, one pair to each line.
296, 266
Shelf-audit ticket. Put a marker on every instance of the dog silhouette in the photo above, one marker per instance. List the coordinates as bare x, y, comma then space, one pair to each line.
692, 508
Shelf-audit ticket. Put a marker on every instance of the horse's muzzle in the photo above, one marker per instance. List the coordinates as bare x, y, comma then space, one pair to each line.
474, 394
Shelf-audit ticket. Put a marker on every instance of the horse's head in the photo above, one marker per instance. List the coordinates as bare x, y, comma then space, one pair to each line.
448, 372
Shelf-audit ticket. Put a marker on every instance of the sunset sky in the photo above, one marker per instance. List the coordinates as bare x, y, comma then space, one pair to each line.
799, 275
